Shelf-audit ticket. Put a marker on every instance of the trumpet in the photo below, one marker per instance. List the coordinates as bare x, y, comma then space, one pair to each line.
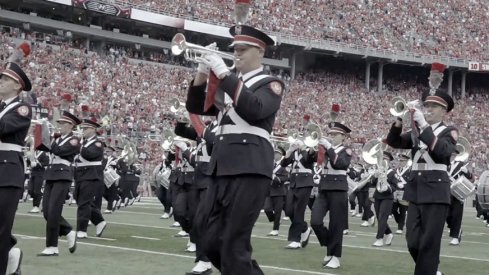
178, 108
191, 51
313, 134
401, 108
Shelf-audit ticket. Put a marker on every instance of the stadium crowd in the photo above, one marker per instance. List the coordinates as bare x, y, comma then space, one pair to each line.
454, 28
134, 100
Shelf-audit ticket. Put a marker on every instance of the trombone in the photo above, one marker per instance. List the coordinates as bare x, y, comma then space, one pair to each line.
191, 51
178, 108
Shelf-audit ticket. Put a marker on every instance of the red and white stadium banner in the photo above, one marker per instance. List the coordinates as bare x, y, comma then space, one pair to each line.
103, 7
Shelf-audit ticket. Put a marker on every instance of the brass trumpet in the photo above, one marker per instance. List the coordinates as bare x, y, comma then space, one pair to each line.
463, 149
313, 133
178, 108
191, 51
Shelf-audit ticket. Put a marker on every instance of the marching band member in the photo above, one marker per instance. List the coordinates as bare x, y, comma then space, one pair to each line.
300, 187
364, 201
399, 209
129, 177
110, 193
333, 194
199, 158
385, 185
428, 187
89, 180
456, 209
59, 176
37, 178
241, 163
15, 119
274, 203
161, 190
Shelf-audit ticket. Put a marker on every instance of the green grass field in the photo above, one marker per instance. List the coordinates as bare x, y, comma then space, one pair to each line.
137, 241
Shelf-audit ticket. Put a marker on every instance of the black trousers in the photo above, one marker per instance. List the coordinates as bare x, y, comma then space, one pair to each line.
87, 210
125, 189
99, 194
273, 209
351, 200
163, 196
295, 207
231, 208
365, 205
9, 199
54, 197
336, 203
179, 200
35, 187
454, 217
110, 195
399, 212
424, 226
197, 195
383, 208
134, 189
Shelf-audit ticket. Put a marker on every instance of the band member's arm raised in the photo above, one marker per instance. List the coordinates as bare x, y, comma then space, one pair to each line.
196, 99
397, 140
94, 151
442, 146
185, 130
252, 106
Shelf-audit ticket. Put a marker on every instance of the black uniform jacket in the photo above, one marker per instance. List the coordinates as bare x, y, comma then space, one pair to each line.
392, 181
427, 186
337, 161
128, 173
64, 148
278, 187
93, 152
39, 167
14, 126
243, 153
307, 159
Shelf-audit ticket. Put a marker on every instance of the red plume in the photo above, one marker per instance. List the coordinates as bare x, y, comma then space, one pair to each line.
25, 48
84, 108
307, 117
335, 108
438, 67
67, 97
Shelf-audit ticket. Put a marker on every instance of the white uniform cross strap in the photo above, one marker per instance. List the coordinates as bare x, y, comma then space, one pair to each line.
90, 143
329, 169
201, 154
297, 166
9, 107
242, 127
83, 162
253, 80
423, 154
63, 141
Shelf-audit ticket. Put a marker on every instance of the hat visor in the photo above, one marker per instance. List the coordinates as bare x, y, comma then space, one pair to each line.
439, 102
331, 131
65, 120
246, 43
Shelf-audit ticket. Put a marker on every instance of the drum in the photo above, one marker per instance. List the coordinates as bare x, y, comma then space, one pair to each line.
110, 176
483, 190
371, 192
398, 194
163, 177
462, 188
352, 185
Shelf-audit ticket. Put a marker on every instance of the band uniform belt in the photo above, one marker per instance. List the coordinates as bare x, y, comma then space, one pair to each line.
428, 167
10, 147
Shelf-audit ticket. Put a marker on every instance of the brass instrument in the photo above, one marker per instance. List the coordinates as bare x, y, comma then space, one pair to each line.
463, 149
178, 109
373, 153
129, 153
192, 51
313, 134
401, 108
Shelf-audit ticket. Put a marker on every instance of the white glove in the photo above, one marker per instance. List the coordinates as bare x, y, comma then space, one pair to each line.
298, 144
324, 142
419, 118
215, 62
400, 185
204, 68
464, 170
181, 144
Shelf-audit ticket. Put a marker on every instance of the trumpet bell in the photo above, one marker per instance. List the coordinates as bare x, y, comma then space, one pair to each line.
463, 149
313, 134
371, 150
178, 44
399, 106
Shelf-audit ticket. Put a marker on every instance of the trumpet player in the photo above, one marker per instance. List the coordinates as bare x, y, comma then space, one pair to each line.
301, 160
333, 193
59, 176
15, 118
89, 180
428, 189
385, 184
241, 163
